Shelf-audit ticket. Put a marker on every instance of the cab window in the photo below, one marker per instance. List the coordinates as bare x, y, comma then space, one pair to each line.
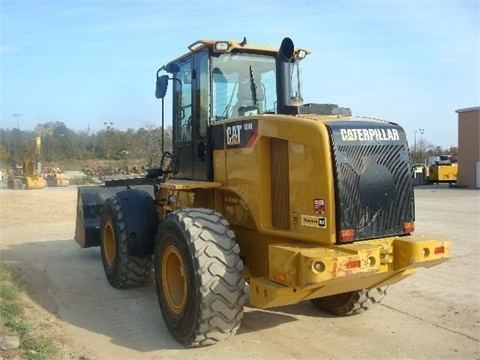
242, 84
182, 101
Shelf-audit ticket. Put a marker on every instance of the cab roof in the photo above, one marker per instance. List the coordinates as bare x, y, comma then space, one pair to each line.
226, 46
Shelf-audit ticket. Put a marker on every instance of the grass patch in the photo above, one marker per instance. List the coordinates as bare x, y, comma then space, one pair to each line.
12, 316
83, 180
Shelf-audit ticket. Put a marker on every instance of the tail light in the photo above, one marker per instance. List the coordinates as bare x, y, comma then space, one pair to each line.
347, 235
439, 250
408, 227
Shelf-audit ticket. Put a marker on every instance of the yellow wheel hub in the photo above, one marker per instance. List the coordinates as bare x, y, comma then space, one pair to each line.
174, 279
109, 243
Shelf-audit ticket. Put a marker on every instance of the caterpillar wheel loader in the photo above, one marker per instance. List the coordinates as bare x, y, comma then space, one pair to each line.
262, 195
55, 177
442, 170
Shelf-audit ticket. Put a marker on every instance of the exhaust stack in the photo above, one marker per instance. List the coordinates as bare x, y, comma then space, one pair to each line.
294, 106
284, 82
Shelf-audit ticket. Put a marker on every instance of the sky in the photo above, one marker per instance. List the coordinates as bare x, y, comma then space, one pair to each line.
91, 62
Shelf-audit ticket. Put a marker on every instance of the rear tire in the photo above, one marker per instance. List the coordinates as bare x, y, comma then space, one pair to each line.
199, 277
350, 303
122, 270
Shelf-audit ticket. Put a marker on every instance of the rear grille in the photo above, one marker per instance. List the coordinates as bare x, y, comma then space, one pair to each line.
374, 186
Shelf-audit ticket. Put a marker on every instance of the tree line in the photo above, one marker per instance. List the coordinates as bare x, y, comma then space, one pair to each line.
423, 149
59, 144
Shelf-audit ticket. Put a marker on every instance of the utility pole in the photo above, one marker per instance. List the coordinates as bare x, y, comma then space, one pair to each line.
18, 116
421, 133
109, 126
415, 141
421, 146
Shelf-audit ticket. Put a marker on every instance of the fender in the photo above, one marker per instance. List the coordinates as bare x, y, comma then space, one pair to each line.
141, 221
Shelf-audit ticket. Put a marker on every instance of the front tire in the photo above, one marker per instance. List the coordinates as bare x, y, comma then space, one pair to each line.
122, 270
350, 303
198, 276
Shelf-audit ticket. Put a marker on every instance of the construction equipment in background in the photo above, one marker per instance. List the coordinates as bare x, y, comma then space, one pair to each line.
55, 177
29, 175
301, 201
419, 174
441, 169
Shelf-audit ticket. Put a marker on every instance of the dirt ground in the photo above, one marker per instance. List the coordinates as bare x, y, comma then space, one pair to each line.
435, 314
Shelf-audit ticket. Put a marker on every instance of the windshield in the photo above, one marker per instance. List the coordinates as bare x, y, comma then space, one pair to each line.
245, 84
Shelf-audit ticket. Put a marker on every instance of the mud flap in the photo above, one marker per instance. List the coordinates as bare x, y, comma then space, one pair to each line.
137, 206
141, 221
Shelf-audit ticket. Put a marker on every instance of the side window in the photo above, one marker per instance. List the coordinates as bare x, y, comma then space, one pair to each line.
183, 101
269, 89
225, 94
223, 89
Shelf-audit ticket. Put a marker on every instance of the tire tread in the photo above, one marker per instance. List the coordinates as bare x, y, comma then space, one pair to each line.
131, 271
219, 273
359, 301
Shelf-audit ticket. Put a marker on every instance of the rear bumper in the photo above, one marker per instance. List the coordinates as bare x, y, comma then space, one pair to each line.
301, 272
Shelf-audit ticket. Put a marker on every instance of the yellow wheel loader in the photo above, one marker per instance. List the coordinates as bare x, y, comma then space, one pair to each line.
55, 177
442, 170
296, 201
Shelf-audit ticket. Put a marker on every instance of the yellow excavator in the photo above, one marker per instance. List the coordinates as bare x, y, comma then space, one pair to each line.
29, 175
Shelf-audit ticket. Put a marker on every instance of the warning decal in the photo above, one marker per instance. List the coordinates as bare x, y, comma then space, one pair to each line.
314, 221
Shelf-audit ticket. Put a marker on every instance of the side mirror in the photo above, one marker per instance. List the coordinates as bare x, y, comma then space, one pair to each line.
161, 88
172, 68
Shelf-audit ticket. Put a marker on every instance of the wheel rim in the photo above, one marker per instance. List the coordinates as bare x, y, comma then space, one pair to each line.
174, 279
109, 243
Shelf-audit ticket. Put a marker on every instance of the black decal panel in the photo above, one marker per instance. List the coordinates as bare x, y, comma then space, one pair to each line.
364, 132
235, 134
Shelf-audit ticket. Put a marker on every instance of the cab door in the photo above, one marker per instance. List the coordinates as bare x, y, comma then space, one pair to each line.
202, 149
182, 119
191, 150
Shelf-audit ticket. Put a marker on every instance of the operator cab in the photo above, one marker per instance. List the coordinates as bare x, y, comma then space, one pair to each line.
216, 81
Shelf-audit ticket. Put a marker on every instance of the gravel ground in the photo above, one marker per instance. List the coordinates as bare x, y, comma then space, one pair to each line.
435, 314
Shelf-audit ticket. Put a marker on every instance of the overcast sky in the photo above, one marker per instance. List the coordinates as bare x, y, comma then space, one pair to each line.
89, 62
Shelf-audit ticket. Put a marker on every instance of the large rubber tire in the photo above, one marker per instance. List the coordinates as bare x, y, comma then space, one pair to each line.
199, 277
122, 270
350, 303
